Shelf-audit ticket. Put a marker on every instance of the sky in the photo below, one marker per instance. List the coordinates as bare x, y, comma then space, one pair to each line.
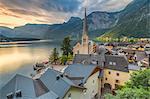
20, 12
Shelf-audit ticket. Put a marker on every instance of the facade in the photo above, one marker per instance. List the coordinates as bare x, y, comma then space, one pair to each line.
90, 79
114, 69
115, 78
85, 47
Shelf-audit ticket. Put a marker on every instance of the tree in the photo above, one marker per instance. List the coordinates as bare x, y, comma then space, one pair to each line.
130, 93
63, 59
137, 88
140, 79
66, 46
54, 57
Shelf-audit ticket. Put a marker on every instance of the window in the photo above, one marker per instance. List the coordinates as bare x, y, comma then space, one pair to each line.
110, 63
105, 78
10, 96
117, 74
18, 93
69, 96
114, 63
109, 72
84, 92
93, 81
117, 81
78, 52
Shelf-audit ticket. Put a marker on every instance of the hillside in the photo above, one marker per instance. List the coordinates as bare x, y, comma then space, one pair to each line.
133, 21
99, 22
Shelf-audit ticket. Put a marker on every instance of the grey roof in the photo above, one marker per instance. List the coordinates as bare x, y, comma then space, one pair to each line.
49, 95
147, 52
30, 89
121, 63
133, 67
80, 70
59, 86
140, 55
103, 61
19, 82
101, 50
147, 45
89, 59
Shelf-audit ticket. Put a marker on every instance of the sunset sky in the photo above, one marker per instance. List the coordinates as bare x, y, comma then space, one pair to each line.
20, 12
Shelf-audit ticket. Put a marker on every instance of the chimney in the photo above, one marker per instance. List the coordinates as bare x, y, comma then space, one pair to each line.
57, 77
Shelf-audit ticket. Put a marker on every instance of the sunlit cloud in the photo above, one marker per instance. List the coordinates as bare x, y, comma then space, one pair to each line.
20, 12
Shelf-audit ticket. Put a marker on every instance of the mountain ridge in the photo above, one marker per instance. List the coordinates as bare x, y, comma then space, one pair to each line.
72, 27
133, 21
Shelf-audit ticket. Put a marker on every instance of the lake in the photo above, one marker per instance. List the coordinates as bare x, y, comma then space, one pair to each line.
19, 58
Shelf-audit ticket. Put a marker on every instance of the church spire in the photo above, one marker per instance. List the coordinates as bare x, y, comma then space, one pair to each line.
85, 26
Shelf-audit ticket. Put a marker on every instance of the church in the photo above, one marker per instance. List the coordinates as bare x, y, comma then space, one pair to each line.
86, 46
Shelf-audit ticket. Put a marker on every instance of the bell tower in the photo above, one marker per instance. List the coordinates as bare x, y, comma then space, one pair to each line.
85, 38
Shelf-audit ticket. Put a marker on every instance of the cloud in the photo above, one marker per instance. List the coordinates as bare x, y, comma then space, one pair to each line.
105, 5
54, 11
49, 5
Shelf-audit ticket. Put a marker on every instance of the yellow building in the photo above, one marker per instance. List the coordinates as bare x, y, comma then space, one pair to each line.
115, 69
115, 78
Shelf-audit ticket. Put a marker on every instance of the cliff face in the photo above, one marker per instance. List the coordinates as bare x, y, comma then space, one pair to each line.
133, 21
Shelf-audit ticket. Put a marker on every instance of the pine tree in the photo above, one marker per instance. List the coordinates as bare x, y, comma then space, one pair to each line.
54, 57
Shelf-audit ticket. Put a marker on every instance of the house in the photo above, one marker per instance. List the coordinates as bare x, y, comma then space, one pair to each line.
115, 69
62, 86
73, 83
51, 85
86, 76
147, 47
21, 87
142, 58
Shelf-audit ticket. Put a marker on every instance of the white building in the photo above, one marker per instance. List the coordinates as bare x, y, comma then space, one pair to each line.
85, 47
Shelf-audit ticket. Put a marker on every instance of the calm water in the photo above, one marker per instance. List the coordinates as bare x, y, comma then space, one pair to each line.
20, 58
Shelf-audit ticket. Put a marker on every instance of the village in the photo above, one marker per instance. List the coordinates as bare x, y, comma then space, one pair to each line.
95, 69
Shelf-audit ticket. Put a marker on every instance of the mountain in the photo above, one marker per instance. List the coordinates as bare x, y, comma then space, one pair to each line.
130, 22
133, 21
99, 22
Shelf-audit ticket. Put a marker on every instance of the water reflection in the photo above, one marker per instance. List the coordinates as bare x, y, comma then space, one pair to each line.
21, 59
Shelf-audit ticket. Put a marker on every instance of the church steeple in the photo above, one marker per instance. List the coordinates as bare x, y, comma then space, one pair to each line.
85, 26
85, 38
